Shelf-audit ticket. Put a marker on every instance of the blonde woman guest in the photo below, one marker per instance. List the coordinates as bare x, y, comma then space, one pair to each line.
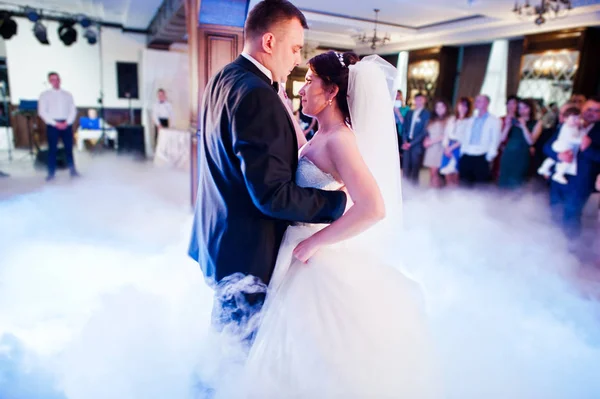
453, 136
434, 149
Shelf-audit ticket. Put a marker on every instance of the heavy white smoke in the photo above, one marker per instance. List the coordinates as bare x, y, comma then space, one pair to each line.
98, 298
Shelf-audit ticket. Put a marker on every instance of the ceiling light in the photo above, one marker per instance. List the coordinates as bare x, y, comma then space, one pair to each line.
90, 36
8, 26
40, 32
547, 9
32, 14
84, 21
66, 32
374, 40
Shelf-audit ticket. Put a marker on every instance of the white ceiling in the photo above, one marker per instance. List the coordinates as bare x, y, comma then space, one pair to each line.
411, 23
130, 13
427, 23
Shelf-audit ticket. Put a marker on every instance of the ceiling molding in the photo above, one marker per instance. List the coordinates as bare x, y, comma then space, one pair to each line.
461, 20
168, 24
479, 22
352, 18
485, 34
392, 24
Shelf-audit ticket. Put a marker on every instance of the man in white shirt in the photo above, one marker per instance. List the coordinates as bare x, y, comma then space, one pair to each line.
480, 145
57, 110
162, 113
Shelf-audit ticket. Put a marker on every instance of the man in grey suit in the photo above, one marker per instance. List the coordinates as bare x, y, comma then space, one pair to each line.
413, 133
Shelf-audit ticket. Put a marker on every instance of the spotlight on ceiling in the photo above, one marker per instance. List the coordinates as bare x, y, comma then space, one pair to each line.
90, 36
40, 32
8, 26
66, 32
84, 21
32, 14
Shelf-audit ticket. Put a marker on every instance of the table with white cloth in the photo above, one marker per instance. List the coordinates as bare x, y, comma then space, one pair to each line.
173, 148
6, 138
94, 134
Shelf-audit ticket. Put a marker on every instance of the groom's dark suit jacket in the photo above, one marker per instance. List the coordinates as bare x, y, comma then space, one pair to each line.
247, 160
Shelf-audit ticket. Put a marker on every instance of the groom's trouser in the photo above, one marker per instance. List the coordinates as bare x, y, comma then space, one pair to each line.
237, 304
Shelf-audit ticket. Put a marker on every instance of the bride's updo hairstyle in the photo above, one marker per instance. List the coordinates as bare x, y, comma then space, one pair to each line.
332, 68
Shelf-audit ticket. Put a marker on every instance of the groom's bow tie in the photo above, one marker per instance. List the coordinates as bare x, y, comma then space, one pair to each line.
275, 86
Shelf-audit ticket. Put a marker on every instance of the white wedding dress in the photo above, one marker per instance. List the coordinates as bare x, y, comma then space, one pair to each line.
341, 326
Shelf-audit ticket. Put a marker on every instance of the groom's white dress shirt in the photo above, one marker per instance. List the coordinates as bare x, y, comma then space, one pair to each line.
260, 66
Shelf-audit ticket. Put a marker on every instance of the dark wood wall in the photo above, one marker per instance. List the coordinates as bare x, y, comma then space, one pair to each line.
587, 79
113, 116
211, 47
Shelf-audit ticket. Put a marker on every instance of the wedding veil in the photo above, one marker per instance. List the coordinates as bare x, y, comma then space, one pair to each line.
370, 98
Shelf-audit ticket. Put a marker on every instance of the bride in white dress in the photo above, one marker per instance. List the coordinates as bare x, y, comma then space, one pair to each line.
340, 321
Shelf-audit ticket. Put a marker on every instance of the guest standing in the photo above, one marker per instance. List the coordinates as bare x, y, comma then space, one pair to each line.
162, 113
481, 144
572, 197
454, 135
434, 149
400, 111
512, 103
57, 109
413, 135
520, 134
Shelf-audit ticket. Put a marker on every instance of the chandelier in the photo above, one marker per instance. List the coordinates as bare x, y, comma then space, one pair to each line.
425, 70
547, 9
374, 40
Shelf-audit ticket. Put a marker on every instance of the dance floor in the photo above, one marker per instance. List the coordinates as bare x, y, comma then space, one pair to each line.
99, 300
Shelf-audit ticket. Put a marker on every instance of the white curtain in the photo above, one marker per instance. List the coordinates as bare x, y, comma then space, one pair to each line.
494, 83
402, 67
168, 70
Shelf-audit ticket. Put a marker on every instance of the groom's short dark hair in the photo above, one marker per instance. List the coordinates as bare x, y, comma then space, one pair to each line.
268, 13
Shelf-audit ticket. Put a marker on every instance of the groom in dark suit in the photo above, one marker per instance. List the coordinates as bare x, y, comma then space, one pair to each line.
248, 155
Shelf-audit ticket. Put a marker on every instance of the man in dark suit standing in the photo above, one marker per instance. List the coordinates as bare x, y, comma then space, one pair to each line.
248, 155
413, 133
571, 198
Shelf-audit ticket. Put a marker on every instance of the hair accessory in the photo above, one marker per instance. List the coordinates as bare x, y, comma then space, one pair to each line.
341, 58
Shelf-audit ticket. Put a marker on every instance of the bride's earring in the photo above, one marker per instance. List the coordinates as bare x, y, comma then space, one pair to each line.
330, 102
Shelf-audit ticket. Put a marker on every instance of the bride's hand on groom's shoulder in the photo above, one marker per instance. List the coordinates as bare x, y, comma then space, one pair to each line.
306, 249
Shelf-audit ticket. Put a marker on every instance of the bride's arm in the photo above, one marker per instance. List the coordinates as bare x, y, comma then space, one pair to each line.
300, 135
368, 207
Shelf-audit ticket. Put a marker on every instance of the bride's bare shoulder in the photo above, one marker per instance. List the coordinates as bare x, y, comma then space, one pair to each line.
342, 134
341, 140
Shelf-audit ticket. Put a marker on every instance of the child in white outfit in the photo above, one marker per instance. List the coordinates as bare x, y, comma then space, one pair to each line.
569, 138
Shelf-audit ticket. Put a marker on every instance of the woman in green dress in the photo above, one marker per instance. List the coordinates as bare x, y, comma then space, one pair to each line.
521, 133
400, 110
